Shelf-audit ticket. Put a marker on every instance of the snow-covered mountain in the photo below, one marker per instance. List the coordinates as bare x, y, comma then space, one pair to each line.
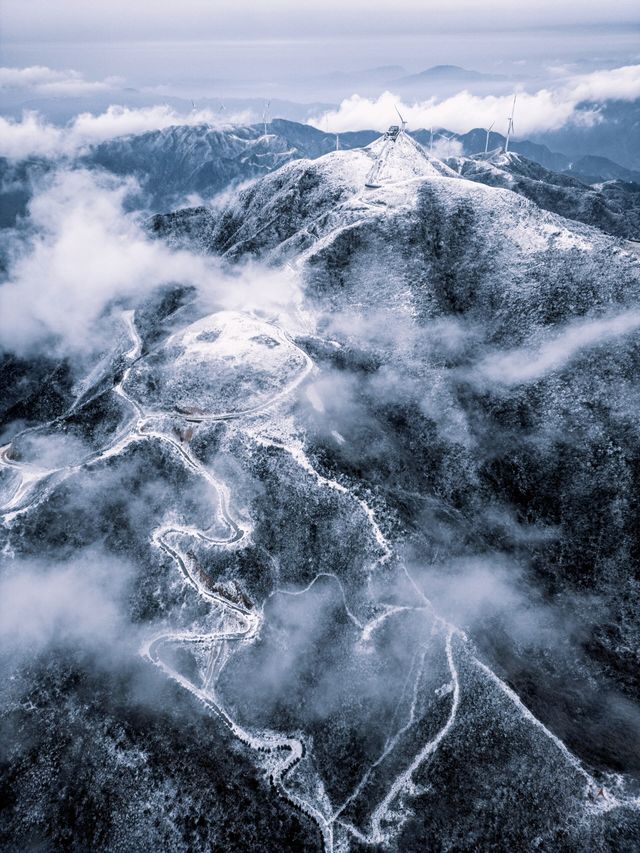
306, 200
174, 162
366, 561
428, 246
183, 160
612, 205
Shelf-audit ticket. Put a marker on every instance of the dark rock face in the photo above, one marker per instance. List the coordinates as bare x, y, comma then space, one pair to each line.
393, 604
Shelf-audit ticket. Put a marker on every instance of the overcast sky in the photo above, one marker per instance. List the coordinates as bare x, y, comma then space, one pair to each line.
282, 48
241, 19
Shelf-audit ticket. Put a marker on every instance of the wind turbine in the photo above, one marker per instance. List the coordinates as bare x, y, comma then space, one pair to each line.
486, 145
446, 138
264, 115
404, 124
510, 125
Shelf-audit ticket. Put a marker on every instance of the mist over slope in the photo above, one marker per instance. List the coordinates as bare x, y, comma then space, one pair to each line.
318, 516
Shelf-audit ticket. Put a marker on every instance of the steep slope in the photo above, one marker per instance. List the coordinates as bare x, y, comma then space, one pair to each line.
614, 207
174, 162
501, 327
304, 199
472, 242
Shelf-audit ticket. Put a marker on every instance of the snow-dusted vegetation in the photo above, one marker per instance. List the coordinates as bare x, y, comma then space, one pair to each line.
318, 466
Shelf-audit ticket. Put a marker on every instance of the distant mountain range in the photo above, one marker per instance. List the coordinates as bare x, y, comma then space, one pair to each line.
172, 164
616, 135
209, 160
450, 74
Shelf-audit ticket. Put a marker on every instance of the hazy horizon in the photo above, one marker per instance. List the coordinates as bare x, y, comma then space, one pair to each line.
339, 67
303, 52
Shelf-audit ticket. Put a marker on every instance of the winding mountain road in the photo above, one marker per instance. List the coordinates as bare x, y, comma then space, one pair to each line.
240, 623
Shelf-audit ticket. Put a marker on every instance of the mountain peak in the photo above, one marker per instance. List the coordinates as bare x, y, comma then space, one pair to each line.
400, 160
449, 74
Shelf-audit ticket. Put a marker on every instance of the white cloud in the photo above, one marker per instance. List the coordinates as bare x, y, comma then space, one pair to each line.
459, 113
31, 136
543, 110
41, 80
123, 121
86, 253
77, 602
528, 365
444, 147
617, 83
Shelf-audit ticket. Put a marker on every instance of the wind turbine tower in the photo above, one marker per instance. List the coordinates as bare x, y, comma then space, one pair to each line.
510, 125
265, 114
402, 121
486, 144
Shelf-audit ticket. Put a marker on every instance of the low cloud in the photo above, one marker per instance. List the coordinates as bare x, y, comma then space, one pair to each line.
621, 84
41, 80
68, 603
471, 592
527, 364
83, 255
546, 109
444, 147
543, 110
32, 136
49, 451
